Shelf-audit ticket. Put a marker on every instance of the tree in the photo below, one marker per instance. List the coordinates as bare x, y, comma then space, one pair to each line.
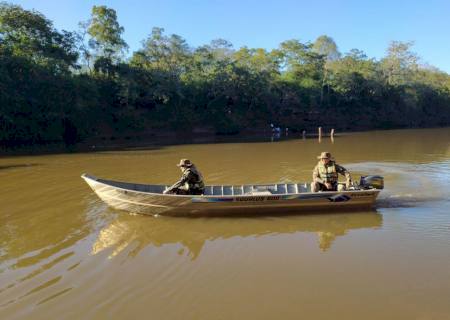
354, 77
303, 68
400, 63
355, 61
165, 53
30, 35
301, 62
106, 33
169, 85
326, 47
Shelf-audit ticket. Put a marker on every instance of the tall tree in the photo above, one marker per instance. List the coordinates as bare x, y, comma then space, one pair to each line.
326, 47
399, 63
165, 53
106, 33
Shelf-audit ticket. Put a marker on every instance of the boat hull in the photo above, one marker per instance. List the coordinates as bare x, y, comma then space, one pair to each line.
134, 201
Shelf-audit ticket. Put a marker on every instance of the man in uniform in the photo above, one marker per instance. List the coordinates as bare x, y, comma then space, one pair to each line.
191, 181
325, 174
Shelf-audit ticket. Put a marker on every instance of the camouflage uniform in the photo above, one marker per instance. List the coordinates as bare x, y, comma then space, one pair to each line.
327, 172
191, 182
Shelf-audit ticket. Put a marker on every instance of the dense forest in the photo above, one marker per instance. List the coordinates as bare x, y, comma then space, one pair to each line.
70, 86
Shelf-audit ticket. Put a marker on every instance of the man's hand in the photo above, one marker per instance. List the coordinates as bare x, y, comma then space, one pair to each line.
328, 185
348, 183
167, 191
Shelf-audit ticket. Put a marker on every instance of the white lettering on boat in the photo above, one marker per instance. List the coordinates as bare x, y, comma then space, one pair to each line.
364, 194
264, 198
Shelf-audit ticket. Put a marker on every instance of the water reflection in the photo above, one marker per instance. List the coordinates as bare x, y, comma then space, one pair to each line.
55, 235
22, 165
192, 233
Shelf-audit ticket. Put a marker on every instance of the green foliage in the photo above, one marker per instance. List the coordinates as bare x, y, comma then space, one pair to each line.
105, 33
326, 47
400, 63
166, 85
29, 34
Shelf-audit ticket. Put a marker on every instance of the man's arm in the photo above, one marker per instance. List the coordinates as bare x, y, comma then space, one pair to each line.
316, 175
343, 171
179, 183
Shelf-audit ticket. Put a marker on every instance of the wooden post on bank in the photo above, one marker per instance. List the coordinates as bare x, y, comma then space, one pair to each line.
332, 135
320, 133
304, 134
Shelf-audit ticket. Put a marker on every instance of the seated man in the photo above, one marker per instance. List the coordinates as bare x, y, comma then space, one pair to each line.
325, 175
191, 181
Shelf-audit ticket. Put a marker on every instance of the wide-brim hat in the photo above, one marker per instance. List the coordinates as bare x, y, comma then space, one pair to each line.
185, 163
325, 155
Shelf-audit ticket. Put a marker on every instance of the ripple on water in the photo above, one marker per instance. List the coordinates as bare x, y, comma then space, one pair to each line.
416, 197
409, 184
109, 262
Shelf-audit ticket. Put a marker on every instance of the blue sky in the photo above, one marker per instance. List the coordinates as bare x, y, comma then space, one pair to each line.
366, 25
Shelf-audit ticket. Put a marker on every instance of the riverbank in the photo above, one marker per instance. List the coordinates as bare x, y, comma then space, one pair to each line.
157, 140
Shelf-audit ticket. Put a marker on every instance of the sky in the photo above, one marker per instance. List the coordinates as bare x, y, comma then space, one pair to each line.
366, 25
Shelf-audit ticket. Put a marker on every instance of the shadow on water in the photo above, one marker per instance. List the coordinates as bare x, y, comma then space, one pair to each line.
15, 166
139, 231
161, 143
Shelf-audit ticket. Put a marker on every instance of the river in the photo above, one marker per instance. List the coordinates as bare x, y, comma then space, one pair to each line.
65, 255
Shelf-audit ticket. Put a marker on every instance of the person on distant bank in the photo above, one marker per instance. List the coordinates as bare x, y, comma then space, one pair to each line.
191, 181
325, 175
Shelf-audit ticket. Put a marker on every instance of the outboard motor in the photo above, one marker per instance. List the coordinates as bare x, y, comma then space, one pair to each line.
371, 182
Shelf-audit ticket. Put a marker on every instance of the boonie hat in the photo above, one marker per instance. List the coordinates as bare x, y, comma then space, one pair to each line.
185, 163
325, 155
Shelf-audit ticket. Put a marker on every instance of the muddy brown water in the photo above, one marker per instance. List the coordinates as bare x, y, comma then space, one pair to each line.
65, 255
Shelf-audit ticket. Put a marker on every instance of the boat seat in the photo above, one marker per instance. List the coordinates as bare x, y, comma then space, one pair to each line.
247, 189
291, 188
261, 193
208, 191
281, 188
304, 187
227, 190
217, 190
264, 188
237, 190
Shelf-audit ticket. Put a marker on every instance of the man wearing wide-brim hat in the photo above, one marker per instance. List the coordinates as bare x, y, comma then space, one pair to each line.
191, 181
325, 174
